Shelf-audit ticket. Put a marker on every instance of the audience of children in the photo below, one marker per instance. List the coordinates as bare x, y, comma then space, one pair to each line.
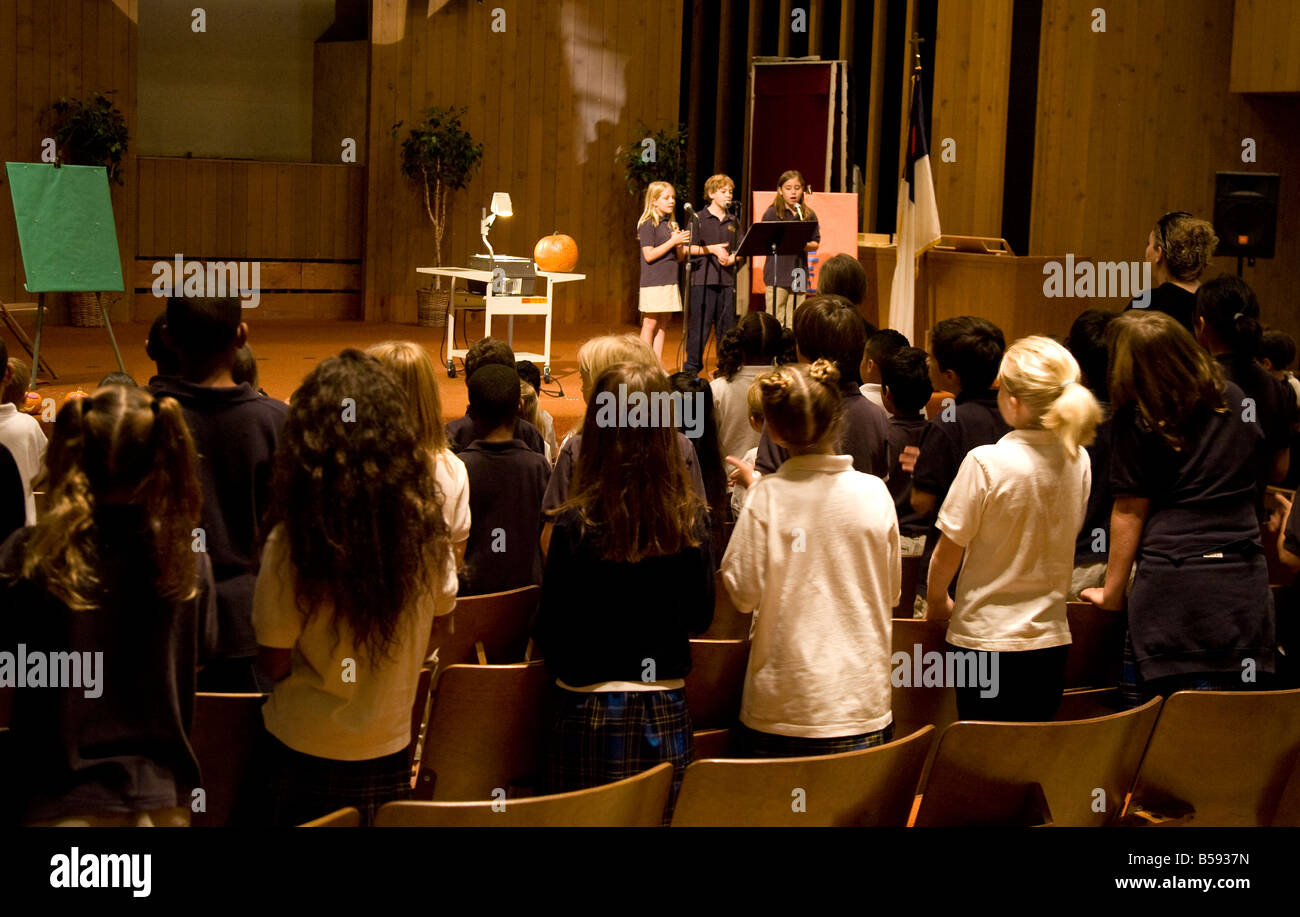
843, 275
628, 580
1009, 521
1184, 476
880, 345
15, 390
485, 352
507, 482
740, 482
1277, 353
816, 554
109, 572
22, 436
236, 432
1087, 344
356, 566
700, 413
13, 505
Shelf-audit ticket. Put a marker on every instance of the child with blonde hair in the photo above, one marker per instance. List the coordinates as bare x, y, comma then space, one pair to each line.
663, 245
412, 368
816, 552
1015, 508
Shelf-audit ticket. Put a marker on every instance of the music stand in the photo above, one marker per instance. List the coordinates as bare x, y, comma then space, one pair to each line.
775, 238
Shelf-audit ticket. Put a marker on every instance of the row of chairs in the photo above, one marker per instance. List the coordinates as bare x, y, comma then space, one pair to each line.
1198, 758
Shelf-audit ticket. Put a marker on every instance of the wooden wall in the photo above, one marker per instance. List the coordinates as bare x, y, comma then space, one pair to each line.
1135, 121
550, 98
63, 48
972, 71
1266, 46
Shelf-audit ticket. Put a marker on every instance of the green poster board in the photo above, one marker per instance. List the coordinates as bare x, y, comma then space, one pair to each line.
65, 227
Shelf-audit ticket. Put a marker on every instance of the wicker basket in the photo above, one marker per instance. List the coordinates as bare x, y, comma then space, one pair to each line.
433, 306
83, 310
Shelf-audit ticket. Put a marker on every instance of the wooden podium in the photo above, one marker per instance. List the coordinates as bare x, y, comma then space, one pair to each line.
1006, 289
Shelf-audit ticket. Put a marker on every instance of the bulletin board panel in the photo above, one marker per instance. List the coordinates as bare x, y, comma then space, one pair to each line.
837, 216
65, 227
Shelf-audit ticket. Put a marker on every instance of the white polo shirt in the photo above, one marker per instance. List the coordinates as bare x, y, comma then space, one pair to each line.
815, 550
1016, 506
24, 438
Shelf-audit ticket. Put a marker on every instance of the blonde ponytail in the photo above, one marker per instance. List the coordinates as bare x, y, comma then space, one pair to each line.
1044, 377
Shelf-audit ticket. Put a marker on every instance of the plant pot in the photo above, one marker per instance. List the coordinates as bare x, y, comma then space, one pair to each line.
433, 306
83, 310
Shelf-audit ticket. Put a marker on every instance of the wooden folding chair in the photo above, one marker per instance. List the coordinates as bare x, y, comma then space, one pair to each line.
224, 734
486, 726
713, 690
917, 705
1096, 646
1218, 758
1072, 774
637, 802
343, 818
728, 622
869, 788
488, 628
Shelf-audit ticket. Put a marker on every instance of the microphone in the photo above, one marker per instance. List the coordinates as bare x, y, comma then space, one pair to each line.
690, 212
798, 208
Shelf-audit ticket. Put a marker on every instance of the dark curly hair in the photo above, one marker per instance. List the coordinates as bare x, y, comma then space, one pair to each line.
757, 338
356, 496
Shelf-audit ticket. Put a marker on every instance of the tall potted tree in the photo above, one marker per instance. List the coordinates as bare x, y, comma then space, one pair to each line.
89, 132
440, 157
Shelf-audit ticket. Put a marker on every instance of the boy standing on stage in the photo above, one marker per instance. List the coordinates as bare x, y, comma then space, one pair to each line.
713, 272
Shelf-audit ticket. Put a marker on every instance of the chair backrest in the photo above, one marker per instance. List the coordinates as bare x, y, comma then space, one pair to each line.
907, 593
869, 788
637, 802
983, 771
224, 733
716, 681
485, 731
1220, 758
343, 818
500, 621
728, 623
914, 704
419, 708
1096, 646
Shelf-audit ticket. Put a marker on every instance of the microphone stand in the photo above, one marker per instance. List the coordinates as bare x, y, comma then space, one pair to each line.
691, 217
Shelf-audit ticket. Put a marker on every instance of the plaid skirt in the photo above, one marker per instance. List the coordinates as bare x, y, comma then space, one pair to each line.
286, 787
598, 738
770, 745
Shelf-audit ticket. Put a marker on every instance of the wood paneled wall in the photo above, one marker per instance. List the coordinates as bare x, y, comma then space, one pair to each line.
551, 99
64, 48
971, 77
1135, 121
222, 208
1266, 46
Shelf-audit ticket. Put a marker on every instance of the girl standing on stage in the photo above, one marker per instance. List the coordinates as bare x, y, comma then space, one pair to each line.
663, 245
783, 295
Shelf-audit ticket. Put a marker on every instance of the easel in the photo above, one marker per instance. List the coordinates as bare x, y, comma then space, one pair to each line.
68, 240
17, 331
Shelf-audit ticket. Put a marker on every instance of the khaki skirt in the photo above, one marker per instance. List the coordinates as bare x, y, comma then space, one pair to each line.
666, 298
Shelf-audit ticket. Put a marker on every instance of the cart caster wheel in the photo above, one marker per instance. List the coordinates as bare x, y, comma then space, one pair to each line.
546, 374
451, 370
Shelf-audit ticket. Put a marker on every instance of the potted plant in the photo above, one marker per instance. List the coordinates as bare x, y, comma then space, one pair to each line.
89, 132
440, 157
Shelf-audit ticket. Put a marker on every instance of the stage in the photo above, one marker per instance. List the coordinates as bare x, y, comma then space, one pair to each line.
287, 351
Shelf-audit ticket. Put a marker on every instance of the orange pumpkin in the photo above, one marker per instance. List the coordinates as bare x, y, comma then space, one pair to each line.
31, 404
73, 396
556, 253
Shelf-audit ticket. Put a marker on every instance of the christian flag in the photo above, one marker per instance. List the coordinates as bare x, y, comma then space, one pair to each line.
918, 220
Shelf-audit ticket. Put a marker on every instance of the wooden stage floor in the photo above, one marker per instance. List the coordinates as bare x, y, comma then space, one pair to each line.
287, 351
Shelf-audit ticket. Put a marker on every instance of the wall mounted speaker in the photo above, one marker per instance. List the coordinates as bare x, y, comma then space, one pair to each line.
1245, 213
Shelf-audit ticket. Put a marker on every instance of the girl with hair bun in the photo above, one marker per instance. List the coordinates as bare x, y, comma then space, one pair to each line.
1227, 325
1179, 248
109, 575
815, 553
1014, 509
